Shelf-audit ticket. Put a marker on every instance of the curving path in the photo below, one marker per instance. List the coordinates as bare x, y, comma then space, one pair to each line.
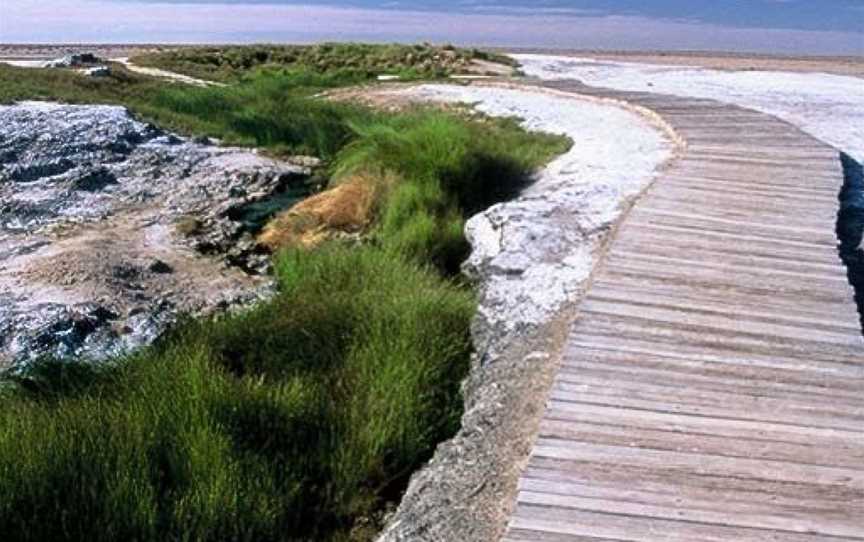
165, 74
712, 388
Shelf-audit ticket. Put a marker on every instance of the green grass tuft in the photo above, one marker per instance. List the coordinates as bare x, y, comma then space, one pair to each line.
287, 421
448, 169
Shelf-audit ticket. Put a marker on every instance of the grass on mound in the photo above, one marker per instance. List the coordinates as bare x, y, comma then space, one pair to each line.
227, 64
271, 109
297, 419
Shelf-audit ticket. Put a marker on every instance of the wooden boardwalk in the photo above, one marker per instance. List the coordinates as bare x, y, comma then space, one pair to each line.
712, 387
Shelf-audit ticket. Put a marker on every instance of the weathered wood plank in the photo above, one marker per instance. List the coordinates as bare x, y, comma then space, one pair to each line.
644, 528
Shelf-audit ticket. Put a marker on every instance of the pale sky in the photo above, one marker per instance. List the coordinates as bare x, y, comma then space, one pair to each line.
784, 26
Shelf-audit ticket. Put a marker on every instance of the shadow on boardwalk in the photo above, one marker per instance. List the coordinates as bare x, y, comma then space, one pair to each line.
850, 227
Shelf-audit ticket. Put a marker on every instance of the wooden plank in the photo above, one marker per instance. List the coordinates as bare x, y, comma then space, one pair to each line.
641, 437
719, 282
686, 217
726, 320
778, 272
697, 510
527, 535
712, 404
694, 290
638, 528
821, 187
650, 362
651, 241
767, 310
729, 240
756, 434
571, 454
715, 338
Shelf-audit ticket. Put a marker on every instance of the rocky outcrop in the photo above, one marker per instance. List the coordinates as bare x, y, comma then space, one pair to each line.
110, 229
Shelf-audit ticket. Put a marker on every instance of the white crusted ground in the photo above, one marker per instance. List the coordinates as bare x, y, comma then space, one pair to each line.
534, 254
532, 257
829, 107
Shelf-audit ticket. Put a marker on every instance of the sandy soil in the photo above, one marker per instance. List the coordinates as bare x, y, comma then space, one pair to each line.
853, 66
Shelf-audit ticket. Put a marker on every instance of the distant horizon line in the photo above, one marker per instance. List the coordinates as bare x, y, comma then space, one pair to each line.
136, 21
520, 49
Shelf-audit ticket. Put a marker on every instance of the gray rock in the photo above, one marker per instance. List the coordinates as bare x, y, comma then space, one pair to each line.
158, 266
98, 71
96, 252
75, 60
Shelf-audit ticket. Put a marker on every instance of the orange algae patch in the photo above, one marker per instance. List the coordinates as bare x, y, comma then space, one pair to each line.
344, 210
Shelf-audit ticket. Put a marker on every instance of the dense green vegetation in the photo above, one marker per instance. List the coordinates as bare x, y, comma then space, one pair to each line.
357, 59
274, 109
298, 418
447, 168
286, 422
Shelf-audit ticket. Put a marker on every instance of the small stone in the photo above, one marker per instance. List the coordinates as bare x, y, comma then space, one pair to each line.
124, 271
305, 161
160, 267
98, 71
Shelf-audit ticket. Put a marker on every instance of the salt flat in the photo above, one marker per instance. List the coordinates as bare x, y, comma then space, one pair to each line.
829, 107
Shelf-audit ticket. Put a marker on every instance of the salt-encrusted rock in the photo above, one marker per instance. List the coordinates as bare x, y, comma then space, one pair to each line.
111, 228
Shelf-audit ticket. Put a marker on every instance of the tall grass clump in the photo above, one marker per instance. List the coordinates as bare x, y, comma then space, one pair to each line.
448, 168
273, 110
285, 422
